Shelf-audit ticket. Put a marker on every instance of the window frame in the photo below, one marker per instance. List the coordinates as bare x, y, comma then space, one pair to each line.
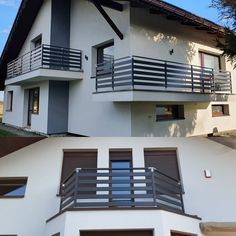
201, 54
7, 179
176, 114
225, 110
35, 41
100, 51
9, 107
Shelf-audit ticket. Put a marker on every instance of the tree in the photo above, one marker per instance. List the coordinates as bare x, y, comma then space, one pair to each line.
227, 13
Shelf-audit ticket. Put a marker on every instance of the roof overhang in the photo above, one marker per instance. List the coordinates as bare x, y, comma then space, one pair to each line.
29, 9
23, 22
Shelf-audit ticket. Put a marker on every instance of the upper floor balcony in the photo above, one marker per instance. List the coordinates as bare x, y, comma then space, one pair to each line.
121, 188
45, 62
136, 78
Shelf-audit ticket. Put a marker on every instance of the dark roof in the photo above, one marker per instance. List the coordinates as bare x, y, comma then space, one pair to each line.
23, 22
12, 144
30, 8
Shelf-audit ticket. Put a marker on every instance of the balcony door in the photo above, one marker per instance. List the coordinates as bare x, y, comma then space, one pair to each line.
121, 168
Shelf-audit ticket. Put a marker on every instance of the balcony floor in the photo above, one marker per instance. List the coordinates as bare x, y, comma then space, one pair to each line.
43, 74
158, 96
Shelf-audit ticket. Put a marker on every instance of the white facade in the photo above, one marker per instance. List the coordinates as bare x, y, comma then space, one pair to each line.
211, 199
128, 113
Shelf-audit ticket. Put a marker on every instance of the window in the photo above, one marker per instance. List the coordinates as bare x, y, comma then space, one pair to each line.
210, 60
105, 53
220, 110
34, 100
37, 42
169, 112
9, 100
12, 187
121, 163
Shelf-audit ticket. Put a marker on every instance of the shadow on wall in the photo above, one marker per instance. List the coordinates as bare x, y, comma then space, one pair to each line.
167, 47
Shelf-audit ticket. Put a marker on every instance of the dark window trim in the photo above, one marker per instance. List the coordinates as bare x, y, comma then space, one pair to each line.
25, 179
101, 48
36, 39
176, 116
9, 109
210, 54
224, 112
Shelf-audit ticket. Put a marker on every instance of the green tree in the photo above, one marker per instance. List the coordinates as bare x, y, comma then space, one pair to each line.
227, 13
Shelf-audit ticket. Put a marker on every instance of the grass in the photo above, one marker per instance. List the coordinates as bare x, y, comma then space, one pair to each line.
4, 133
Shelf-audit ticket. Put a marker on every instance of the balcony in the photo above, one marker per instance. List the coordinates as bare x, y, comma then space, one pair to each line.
45, 62
121, 188
146, 79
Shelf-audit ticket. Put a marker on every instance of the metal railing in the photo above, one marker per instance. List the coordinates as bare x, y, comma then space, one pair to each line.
48, 57
144, 73
121, 188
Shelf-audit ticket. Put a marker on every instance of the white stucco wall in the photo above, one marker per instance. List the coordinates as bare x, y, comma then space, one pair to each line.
19, 114
160, 222
14, 117
211, 199
41, 25
88, 29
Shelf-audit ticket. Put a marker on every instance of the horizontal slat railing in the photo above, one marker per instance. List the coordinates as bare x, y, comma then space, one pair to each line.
106, 188
152, 74
48, 57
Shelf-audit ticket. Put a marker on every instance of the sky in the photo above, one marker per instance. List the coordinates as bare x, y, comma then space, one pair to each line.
8, 11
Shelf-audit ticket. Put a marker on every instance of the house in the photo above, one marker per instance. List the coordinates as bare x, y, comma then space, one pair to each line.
119, 186
116, 68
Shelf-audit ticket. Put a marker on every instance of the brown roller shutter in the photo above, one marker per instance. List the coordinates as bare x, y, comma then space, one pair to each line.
77, 159
120, 155
164, 161
118, 233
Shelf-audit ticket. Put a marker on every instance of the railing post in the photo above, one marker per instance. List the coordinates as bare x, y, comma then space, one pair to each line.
192, 78
132, 72
42, 47
165, 69
96, 79
181, 197
30, 60
230, 82
112, 75
77, 170
152, 169
213, 82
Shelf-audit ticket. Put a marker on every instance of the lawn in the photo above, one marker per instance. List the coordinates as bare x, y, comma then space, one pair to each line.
4, 133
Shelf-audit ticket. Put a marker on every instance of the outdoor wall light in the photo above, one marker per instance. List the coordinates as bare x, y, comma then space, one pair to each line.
207, 173
171, 51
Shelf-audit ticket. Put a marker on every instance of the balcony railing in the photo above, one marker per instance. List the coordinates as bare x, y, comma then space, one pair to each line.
141, 73
121, 188
48, 57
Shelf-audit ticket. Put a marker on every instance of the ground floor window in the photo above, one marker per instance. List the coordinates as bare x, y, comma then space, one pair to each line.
12, 187
9, 100
220, 110
169, 112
